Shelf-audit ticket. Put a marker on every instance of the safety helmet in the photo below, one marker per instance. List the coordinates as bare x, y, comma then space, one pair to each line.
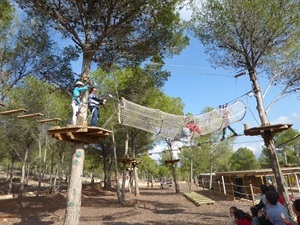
79, 83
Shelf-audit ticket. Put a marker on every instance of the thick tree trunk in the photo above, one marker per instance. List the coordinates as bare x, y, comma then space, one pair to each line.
72, 216
269, 143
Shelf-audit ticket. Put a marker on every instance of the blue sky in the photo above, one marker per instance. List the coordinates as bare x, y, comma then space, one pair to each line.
199, 85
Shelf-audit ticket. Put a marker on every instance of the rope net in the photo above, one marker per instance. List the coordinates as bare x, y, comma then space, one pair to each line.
174, 127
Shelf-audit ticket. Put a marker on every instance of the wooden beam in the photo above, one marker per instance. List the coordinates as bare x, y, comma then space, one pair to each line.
48, 120
13, 111
30, 115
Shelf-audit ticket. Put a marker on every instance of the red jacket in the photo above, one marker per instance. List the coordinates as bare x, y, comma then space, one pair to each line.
244, 222
193, 127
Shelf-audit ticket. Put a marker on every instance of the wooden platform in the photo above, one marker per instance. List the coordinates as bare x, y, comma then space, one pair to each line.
126, 160
74, 133
48, 120
198, 199
276, 128
32, 115
172, 161
9, 112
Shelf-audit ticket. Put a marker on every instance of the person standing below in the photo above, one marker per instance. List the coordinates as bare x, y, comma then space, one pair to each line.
76, 99
231, 219
242, 218
276, 213
94, 104
296, 209
161, 184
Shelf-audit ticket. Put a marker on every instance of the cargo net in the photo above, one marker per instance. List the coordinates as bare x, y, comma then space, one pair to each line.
175, 127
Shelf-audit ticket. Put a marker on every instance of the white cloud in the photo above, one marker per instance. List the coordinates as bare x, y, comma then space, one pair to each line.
255, 147
185, 11
293, 118
281, 119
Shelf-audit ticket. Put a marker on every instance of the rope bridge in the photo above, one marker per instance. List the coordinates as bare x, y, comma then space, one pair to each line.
172, 126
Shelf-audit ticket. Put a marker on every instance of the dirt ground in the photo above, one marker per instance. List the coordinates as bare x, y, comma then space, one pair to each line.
153, 206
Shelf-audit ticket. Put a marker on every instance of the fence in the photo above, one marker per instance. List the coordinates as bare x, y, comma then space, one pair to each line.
249, 192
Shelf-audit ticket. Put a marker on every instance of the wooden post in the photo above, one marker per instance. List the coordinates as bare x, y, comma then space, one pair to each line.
297, 180
290, 183
252, 194
224, 187
232, 188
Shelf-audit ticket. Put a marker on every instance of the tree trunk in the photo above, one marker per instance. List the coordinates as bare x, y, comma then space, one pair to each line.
123, 183
72, 216
82, 117
116, 168
269, 143
27, 174
23, 174
40, 169
11, 175
124, 169
177, 188
136, 181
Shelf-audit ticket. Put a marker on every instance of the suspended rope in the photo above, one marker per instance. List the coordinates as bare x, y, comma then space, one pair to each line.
172, 126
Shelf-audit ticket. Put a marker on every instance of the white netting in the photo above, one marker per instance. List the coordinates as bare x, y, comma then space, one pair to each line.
171, 126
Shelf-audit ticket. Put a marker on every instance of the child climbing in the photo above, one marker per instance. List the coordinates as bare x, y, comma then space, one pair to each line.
226, 121
188, 130
76, 99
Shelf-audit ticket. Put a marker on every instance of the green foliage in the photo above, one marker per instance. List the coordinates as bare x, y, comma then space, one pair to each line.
250, 35
93, 161
287, 149
26, 49
245, 33
148, 167
125, 32
6, 14
263, 160
243, 159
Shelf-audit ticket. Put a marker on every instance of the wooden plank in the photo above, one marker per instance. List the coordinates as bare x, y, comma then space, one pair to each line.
30, 115
48, 120
57, 136
198, 199
13, 111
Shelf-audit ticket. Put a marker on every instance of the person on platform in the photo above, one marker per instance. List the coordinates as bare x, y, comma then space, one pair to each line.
94, 105
226, 115
76, 99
